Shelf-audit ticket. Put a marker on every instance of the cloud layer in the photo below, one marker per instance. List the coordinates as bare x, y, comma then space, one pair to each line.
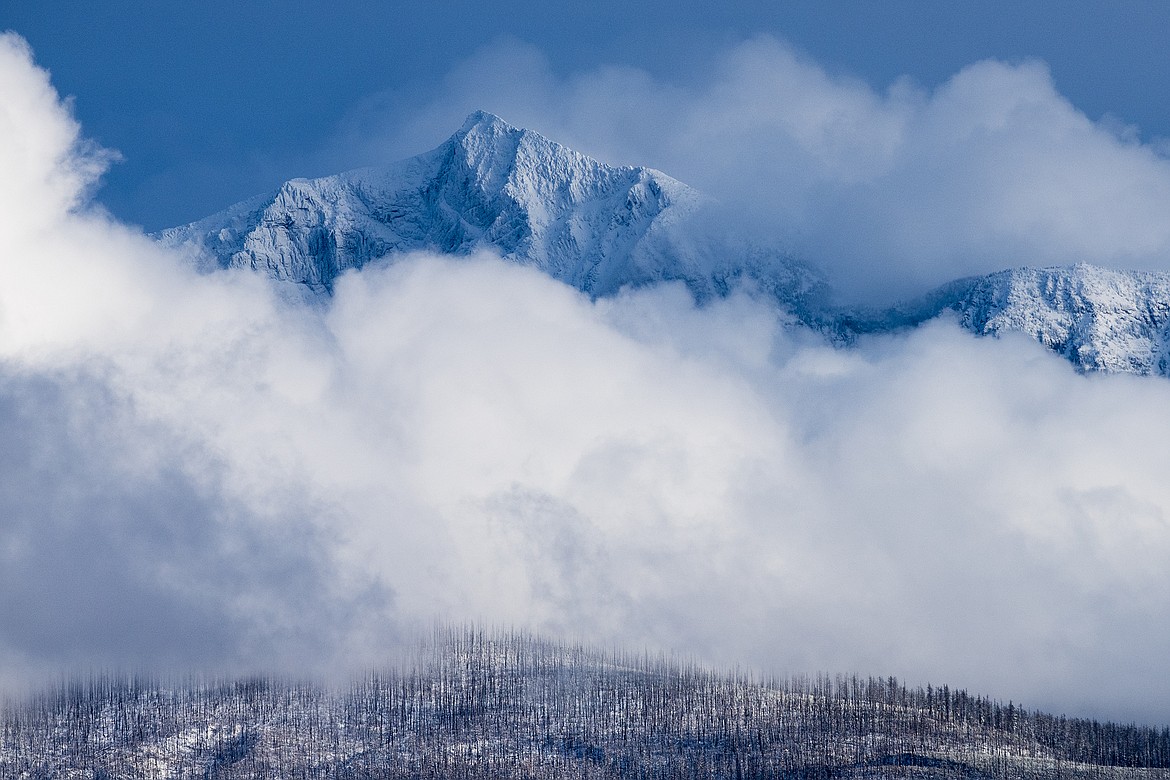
891, 190
193, 473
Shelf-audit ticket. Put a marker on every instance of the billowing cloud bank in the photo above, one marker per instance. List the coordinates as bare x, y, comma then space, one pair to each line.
194, 474
890, 191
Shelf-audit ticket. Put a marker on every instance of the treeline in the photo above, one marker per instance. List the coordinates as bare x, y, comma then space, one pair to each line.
477, 704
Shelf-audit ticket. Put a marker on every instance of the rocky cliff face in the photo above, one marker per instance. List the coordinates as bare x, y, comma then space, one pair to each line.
600, 228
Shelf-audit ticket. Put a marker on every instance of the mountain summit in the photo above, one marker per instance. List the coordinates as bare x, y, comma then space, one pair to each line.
490, 185
600, 228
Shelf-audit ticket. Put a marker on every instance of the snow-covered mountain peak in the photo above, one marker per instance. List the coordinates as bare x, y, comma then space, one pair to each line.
483, 121
535, 169
595, 226
490, 148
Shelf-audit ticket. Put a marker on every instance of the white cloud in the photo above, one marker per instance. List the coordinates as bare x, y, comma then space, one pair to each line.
194, 474
891, 190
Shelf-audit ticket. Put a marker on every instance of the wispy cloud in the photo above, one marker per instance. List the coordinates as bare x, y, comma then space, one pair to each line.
891, 189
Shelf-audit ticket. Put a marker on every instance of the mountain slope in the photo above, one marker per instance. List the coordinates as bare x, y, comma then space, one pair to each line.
1099, 319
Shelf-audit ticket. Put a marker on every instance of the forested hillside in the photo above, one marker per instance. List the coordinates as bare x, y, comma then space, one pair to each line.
499, 705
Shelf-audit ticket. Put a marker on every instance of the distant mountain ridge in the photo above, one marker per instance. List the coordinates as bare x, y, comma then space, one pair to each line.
1098, 319
600, 228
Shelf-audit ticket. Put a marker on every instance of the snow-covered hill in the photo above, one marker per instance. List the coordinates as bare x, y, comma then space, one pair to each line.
600, 228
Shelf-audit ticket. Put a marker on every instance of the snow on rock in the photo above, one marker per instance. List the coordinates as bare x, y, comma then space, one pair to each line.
1099, 319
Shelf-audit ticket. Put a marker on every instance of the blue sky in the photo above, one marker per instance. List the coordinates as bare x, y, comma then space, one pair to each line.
213, 101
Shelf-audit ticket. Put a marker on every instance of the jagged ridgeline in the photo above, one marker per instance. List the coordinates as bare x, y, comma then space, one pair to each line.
507, 705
